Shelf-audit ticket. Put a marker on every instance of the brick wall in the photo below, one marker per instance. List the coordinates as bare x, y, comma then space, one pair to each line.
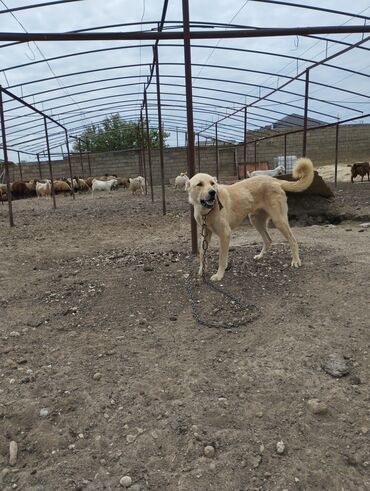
354, 145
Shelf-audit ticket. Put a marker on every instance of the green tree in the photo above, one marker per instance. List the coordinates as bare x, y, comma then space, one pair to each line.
116, 134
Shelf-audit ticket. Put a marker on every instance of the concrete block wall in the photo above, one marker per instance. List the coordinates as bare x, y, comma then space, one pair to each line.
354, 145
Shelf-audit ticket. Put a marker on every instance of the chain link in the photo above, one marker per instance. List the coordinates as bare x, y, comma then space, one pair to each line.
250, 308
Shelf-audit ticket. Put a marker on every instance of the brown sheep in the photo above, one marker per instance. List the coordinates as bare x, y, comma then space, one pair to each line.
360, 169
19, 189
89, 180
31, 186
83, 186
123, 182
62, 187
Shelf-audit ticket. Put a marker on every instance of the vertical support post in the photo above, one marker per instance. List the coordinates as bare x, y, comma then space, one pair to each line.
307, 84
255, 154
189, 113
38, 160
49, 160
61, 149
70, 165
149, 146
217, 153
336, 154
245, 145
177, 136
20, 166
160, 133
142, 142
285, 152
88, 157
81, 159
236, 169
198, 154
6, 161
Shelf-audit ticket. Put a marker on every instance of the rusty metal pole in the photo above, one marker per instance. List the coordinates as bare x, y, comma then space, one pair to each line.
255, 154
177, 136
307, 84
285, 152
336, 154
236, 170
6, 161
49, 160
20, 166
160, 133
81, 159
61, 149
88, 156
245, 144
149, 146
198, 154
217, 153
142, 144
189, 113
38, 160
70, 165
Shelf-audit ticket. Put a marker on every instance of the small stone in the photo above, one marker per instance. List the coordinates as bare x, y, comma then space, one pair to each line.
364, 430
125, 481
335, 365
365, 225
212, 466
13, 453
209, 451
280, 447
44, 412
256, 461
317, 407
148, 268
173, 318
97, 376
130, 438
14, 334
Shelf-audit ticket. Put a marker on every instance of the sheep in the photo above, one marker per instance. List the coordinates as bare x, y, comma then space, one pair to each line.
137, 184
89, 180
19, 189
278, 171
83, 186
181, 181
124, 182
61, 186
31, 187
360, 169
43, 189
98, 185
106, 177
3, 191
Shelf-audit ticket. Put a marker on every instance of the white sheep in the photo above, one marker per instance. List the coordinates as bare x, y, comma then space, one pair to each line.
278, 171
137, 184
98, 185
181, 181
43, 189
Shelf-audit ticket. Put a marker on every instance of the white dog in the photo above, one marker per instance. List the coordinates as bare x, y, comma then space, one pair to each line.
181, 180
278, 171
260, 198
137, 184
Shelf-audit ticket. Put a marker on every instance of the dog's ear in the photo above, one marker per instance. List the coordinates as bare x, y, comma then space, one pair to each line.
187, 185
215, 179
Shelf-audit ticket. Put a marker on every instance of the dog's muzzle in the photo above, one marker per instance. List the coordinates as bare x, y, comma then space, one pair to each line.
209, 203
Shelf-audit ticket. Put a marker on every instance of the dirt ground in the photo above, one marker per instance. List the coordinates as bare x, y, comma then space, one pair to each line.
104, 372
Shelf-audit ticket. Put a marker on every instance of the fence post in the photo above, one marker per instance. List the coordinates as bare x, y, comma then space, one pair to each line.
6, 161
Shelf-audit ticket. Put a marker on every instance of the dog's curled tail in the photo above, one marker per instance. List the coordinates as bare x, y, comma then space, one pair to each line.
303, 170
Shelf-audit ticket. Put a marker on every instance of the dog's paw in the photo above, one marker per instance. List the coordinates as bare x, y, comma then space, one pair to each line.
216, 277
258, 256
296, 263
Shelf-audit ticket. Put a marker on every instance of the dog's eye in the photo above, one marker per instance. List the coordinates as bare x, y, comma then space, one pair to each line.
212, 183
200, 184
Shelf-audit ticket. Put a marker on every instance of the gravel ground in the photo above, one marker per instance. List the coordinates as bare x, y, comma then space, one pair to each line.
106, 377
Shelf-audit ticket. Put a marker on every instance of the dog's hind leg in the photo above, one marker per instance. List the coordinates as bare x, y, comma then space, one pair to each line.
280, 219
259, 221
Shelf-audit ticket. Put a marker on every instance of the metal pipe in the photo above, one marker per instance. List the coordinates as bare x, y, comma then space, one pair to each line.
336, 154
198, 153
245, 143
160, 133
142, 142
81, 159
285, 152
38, 160
20, 166
306, 90
149, 145
189, 112
49, 161
152, 35
70, 164
255, 154
6, 161
217, 153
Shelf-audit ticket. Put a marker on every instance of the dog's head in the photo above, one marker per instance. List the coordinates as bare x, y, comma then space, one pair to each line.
202, 189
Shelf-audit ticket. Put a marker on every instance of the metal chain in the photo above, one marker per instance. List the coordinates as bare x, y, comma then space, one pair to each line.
194, 302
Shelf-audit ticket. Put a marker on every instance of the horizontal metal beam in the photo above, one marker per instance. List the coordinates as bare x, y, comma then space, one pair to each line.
215, 34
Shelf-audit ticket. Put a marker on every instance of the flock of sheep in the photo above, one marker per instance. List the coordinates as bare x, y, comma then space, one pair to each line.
43, 188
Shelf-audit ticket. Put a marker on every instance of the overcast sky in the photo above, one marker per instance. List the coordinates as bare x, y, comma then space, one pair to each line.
217, 90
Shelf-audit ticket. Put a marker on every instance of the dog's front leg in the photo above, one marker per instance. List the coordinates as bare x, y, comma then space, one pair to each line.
223, 256
202, 259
